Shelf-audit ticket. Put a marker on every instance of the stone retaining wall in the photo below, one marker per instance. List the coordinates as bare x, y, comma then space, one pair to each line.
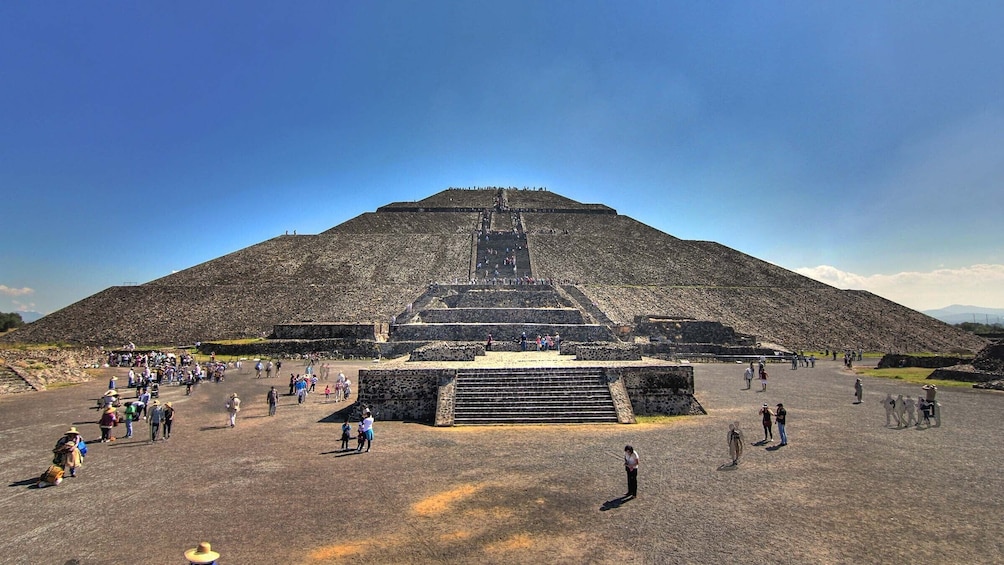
691, 331
967, 376
607, 352
660, 390
331, 348
323, 330
442, 351
402, 394
893, 360
502, 316
542, 296
501, 332
416, 394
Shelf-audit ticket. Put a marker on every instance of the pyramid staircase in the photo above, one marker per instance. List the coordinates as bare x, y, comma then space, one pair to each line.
11, 382
532, 396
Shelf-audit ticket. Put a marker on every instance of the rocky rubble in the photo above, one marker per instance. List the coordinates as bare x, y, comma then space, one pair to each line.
42, 367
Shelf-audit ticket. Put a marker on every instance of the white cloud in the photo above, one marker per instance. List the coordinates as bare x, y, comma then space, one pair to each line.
23, 307
4, 289
977, 285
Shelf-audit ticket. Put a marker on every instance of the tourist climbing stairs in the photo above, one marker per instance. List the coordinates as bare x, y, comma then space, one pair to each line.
532, 396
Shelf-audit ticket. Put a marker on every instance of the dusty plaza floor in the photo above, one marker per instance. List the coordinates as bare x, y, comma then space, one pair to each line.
846, 489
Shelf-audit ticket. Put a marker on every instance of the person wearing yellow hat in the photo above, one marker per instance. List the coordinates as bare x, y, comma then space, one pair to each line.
109, 419
202, 555
67, 454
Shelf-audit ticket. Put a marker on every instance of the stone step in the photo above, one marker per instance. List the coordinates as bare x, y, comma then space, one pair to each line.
548, 406
534, 419
12, 383
532, 396
511, 391
534, 371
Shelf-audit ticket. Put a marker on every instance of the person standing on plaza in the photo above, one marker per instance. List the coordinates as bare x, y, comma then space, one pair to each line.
168, 420
346, 432
233, 407
631, 461
735, 439
768, 422
366, 429
748, 376
273, 401
155, 416
763, 379
859, 390
129, 417
780, 416
109, 419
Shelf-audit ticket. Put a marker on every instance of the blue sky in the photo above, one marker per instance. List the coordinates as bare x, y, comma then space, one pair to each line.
858, 142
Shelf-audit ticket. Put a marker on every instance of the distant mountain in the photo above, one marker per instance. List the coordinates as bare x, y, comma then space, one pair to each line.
30, 317
956, 314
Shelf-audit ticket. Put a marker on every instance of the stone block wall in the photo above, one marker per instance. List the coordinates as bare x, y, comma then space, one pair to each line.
542, 296
659, 390
500, 332
402, 394
323, 330
607, 352
424, 395
892, 360
691, 331
502, 315
332, 348
443, 351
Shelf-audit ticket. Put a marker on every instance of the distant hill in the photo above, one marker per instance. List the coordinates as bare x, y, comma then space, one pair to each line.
957, 314
30, 317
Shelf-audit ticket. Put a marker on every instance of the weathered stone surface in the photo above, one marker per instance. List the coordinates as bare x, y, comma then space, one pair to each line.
423, 394
369, 269
607, 352
40, 367
893, 360
443, 351
323, 330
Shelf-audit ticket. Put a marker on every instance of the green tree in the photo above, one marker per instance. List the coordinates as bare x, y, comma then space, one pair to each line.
10, 321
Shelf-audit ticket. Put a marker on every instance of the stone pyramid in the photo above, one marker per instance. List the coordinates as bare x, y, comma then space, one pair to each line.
370, 270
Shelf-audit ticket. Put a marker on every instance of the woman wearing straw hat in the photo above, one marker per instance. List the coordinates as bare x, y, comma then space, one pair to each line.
202, 555
108, 420
67, 451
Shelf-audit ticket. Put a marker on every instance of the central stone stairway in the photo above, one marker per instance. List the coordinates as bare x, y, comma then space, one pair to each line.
532, 396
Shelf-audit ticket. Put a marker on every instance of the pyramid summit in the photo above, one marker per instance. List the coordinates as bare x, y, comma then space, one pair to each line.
611, 277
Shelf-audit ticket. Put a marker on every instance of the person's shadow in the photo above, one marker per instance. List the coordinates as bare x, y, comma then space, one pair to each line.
614, 503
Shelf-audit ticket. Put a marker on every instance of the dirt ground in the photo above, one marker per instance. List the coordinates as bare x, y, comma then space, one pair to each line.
847, 489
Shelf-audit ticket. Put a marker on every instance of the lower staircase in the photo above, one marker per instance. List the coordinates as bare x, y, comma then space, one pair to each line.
11, 382
532, 396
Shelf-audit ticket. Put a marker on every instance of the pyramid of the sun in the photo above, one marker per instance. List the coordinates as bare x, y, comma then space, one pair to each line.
371, 267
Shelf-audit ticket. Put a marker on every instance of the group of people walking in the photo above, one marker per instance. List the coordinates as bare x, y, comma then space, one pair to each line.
905, 412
